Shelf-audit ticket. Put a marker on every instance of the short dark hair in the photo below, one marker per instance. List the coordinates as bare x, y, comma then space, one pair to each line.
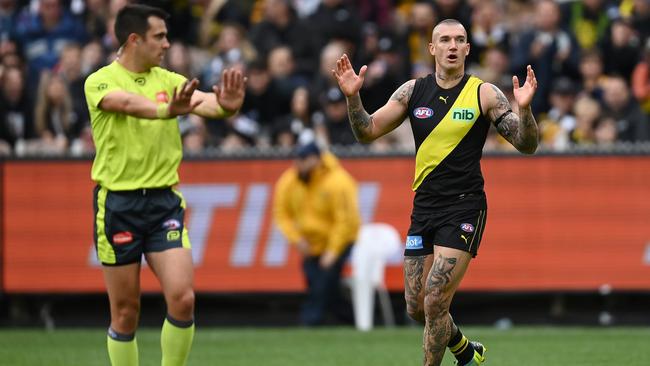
133, 18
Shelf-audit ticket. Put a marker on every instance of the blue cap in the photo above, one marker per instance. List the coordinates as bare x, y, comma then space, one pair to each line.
303, 151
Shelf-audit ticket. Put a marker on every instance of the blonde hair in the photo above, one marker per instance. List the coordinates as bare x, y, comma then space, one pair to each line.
45, 111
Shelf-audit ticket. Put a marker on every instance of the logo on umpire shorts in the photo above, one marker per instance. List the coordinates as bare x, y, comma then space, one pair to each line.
173, 235
171, 224
414, 242
466, 227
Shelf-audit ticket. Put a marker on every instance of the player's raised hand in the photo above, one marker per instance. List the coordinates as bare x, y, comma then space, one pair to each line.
524, 94
181, 102
230, 94
349, 82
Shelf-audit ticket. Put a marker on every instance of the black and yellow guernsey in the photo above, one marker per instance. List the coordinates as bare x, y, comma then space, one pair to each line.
449, 131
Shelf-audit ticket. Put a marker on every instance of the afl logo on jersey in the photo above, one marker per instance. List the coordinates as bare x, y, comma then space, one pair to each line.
422, 112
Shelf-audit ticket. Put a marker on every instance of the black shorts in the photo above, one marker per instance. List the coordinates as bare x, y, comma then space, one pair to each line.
130, 223
458, 229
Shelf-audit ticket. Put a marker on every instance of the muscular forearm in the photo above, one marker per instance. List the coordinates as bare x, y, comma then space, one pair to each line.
360, 120
527, 136
133, 105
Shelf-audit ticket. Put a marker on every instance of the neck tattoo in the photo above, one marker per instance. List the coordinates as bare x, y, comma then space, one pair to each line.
448, 78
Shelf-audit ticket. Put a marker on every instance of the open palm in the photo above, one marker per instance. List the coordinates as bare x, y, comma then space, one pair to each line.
524, 94
230, 94
349, 82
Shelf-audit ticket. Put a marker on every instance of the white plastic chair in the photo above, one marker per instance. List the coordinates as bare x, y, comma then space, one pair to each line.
376, 244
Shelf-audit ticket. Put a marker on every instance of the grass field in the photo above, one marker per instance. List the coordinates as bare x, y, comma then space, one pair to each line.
530, 346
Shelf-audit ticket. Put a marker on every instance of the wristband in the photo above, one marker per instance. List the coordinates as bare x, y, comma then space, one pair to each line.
162, 111
220, 111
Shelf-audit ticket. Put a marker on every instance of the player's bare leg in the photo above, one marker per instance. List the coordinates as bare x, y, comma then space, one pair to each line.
175, 271
446, 272
416, 269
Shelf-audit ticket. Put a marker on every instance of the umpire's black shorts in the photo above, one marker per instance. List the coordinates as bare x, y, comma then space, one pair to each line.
130, 223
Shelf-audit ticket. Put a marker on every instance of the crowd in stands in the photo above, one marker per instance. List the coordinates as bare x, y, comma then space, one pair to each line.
591, 58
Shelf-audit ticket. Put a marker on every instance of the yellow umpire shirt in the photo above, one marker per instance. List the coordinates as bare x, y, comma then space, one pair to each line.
133, 153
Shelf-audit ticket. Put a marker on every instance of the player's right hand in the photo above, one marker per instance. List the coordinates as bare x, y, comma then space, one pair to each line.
349, 82
181, 102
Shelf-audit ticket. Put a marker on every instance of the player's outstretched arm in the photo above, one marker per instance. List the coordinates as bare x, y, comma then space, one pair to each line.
120, 101
368, 127
226, 98
520, 130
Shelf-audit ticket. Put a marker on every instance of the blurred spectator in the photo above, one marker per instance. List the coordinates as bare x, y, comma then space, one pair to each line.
215, 13
587, 112
641, 80
335, 20
631, 122
316, 207
487, 31
95, 15
243, 133
640, 17
378, 12
455, 9
56, 122
282, 71
194, 134
92, 57
281, 27
335, 118
305, 8
16, 122
287, 128
422, 20
177, 59
9, 56
324, 80
69, 69
591, 72
8, 13
622, 47
588, 20
384, 74
264, 102
43, 35
605, 133
495, 67
551, 52
230, 48
559, 121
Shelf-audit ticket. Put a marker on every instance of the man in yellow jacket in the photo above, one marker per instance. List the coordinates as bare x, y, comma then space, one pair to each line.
316, 208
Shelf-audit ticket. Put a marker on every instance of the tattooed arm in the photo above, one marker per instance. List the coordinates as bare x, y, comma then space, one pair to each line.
368, 127
520, 130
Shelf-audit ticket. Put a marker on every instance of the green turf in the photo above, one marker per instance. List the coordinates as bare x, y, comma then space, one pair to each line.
529, 346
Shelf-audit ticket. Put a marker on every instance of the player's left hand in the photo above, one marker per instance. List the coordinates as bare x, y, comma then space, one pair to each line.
524, 94
230, 94
327, 259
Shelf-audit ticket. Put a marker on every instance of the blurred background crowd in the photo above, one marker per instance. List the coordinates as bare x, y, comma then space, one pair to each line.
591, 58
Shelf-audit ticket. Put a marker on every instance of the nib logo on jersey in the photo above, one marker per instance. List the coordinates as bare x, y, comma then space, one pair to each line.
463, 114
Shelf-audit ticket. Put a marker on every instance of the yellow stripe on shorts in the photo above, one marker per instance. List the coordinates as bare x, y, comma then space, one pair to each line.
105, 252
186, 236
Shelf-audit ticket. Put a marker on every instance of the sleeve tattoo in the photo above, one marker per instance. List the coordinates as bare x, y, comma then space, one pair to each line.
361, 121
520, 130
